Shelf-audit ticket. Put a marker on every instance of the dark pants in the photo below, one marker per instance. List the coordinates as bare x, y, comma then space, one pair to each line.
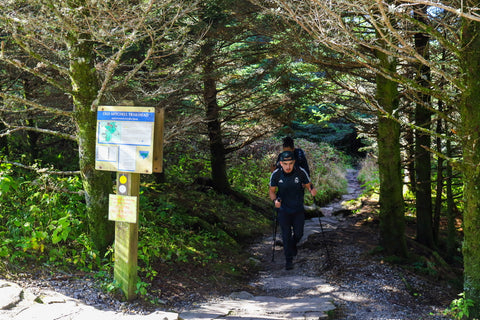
292, 232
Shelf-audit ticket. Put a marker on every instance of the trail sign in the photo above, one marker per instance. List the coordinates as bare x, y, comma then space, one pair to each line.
125, 137
129, 140
122, 208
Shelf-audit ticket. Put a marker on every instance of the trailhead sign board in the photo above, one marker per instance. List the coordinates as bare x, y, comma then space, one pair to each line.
125, 139
125, 143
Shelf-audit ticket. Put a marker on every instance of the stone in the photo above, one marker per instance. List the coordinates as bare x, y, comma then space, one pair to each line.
10, 295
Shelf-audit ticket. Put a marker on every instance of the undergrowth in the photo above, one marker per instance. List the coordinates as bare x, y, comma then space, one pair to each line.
43, 217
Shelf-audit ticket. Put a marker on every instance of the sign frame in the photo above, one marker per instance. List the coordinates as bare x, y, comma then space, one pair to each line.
125, 139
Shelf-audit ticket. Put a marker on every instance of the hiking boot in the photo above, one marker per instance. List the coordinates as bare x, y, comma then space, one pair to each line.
289, 265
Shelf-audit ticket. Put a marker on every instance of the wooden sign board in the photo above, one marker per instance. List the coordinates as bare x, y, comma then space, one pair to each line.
124, 138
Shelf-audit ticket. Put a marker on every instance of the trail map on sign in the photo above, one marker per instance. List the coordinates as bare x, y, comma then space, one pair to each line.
125, 139
109, 132
117, 132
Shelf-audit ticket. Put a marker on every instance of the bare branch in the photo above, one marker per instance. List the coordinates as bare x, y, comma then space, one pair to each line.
34, 105
12, 129
41, 170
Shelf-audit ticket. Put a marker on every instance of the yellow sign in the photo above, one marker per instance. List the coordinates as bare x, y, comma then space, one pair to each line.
122, 208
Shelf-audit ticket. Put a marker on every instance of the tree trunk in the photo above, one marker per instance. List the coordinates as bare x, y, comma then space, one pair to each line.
31, 136
392, 222
451, 229
440, 180
217, 148
410, 154
4, 139
423, 188
3, 142
470, 135
97, 184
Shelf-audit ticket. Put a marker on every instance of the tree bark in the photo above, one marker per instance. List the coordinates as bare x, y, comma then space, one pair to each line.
440, 180
451, 229
97, 184
423, 166
470, 135
217, 148
410, 154
31, 136
392, 222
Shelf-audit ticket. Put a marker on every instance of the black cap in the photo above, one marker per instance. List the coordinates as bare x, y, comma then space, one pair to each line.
287, 156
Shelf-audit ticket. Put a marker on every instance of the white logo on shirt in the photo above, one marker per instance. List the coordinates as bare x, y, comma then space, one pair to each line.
297, 180
280, 181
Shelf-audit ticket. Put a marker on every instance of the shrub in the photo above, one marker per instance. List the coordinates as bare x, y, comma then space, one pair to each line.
251, 167
368, 174
42, 220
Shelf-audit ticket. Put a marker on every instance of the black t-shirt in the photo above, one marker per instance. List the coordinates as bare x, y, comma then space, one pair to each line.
290, 188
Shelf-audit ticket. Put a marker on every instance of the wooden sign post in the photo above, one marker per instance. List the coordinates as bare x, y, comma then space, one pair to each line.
129, 141
126, 236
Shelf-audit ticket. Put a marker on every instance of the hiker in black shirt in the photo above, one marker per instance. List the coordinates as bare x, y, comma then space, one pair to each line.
287, 193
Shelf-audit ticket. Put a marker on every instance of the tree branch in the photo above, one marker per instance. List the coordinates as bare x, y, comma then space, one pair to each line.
41, 170
34, 105
12, 129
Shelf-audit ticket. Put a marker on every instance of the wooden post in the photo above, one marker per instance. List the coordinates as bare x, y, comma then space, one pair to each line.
129, 139
126, 238
158, 141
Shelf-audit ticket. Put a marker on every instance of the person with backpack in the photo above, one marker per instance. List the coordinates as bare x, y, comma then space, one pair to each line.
299, 154
286, 190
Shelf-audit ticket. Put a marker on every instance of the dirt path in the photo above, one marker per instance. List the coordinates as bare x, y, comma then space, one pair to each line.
358, 283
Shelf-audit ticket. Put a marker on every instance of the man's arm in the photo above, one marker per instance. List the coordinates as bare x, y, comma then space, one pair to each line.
307, 183
309, 187
272, 191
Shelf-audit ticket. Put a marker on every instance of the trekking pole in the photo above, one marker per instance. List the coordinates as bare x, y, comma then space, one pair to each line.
323, 235
275, 215
274, 233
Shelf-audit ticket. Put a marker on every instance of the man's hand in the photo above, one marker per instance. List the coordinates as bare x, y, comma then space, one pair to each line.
313, 192
277, 203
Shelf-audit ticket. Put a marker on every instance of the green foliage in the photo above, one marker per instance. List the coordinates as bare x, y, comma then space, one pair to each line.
250, 175
43, 218
185, 162
250, 168
368, 175
179, 224
426, 267
327, 167
43, 221
459, 308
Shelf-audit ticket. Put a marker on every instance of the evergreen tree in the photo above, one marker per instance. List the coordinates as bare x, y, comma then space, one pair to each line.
77, 47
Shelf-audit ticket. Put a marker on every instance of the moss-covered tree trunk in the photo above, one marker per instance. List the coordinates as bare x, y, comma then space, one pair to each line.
97, 184
423, 166
409, 137
3, 140
392, 223
470, 135
217, 148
